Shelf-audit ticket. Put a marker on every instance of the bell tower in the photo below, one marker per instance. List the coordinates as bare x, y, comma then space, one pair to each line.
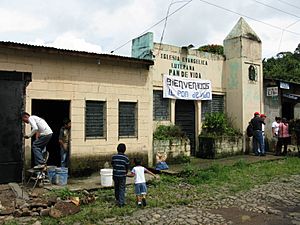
243, 74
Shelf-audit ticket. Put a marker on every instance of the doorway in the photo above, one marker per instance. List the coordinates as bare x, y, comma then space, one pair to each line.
287, 110
54, 112
185, 118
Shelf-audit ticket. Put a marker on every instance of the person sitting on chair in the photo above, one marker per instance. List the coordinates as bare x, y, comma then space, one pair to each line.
43, 134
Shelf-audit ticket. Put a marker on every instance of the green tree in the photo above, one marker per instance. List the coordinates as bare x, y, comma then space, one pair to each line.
285, 66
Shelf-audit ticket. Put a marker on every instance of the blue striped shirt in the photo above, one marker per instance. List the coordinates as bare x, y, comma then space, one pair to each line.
120, 163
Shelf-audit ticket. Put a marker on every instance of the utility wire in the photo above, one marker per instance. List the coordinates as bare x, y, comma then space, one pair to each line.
154, 25
283, 32
240, 14
297, 7
217, 6
280, 10
165, 24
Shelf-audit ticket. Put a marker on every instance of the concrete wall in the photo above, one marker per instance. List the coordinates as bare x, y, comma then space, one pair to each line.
59, 77
210, 68
174, 149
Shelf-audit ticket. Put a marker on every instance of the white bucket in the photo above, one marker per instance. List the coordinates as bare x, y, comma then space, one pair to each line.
106, 177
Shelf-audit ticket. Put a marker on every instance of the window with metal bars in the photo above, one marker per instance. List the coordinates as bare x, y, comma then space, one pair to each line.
95, 119
128, 119
161, 106
215, 105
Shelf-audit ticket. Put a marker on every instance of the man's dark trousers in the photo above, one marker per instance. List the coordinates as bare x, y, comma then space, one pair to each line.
120, 185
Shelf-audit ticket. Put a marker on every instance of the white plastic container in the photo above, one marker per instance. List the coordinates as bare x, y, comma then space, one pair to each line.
106, 177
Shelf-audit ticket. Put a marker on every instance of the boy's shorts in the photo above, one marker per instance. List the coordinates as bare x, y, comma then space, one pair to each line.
140, 189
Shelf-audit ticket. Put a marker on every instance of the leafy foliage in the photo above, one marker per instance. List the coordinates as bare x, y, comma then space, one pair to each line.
168, 132
285, 66
64, 193
216, 49
217, 124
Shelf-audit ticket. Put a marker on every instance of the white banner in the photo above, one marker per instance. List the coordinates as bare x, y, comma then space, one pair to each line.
186, 88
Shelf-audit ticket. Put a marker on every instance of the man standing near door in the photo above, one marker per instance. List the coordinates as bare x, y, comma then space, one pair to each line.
43, 134
64, 142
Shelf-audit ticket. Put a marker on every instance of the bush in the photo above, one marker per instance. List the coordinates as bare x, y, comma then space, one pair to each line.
217, 124
168, 132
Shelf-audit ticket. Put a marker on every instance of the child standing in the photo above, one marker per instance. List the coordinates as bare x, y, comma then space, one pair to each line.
140, 186
120, 163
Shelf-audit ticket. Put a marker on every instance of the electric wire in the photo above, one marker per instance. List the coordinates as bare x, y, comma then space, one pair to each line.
217, 6
240, 14
165, 24
280, 10
281, 37
297, 7
154, 25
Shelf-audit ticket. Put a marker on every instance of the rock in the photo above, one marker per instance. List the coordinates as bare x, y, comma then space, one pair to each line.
274, 211
52, 200
55, 213
295, 222
77, 223
156, 216
45, 212
17, 213
25, 205
295, 214
25, 210
7, 218
109, 220
7, 211
37, 223
245, 218
61, 209
25, 213
33, 195
38, 204
20, 202
191, 221
262, 209
34, 214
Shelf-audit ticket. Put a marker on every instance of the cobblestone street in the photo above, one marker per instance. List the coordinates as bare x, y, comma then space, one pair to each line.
275, 203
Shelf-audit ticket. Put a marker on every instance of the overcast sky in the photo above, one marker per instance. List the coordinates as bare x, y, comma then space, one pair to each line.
103, 25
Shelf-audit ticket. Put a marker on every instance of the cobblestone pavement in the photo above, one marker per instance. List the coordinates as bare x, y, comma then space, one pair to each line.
275, 203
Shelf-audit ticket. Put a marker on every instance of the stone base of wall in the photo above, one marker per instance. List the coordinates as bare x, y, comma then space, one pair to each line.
174, 149
218, 147
86, 165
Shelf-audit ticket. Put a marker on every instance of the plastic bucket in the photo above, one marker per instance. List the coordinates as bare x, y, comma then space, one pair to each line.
51, 173
61, 177
106, 177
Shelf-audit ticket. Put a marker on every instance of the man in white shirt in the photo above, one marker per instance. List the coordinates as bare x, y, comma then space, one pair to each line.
275, 126
275, 129
43, 134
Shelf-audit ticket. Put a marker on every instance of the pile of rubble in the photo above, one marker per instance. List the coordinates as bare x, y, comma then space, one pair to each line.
39, 205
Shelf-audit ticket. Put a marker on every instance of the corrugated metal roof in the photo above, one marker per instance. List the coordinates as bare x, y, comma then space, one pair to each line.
53, 50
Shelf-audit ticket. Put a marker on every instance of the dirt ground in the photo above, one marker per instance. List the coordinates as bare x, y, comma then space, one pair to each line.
238, 216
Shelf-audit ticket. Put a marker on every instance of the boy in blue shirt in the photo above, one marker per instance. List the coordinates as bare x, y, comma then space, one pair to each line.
120, 164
